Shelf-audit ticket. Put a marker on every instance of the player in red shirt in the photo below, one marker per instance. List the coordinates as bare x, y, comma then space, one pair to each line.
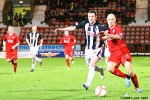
10, 45
68, 41
119, 53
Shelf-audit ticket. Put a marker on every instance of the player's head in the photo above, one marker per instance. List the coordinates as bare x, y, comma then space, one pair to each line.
34, 28
66, 33
92, 16
10, 29
111, 20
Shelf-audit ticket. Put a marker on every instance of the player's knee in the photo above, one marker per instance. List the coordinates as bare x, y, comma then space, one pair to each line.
15, 61
131, 73
8, 60
110, 69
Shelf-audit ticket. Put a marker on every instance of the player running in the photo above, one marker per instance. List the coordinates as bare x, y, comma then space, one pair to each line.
10, 45
69, 42
32, 39
93, 52
119, 53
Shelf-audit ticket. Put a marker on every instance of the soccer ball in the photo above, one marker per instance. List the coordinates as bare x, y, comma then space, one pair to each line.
101, 91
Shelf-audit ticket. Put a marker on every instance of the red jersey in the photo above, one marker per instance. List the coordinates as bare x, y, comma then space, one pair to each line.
11, 41
116, 44
68, 41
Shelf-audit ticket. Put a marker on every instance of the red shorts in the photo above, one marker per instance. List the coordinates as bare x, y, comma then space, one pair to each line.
120, 56
69, 52
11, 54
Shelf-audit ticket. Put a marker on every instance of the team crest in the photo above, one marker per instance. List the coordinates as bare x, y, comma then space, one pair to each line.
113, 31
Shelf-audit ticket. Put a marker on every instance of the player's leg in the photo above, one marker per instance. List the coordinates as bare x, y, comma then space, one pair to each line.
15, 57
134, 78
66, 53
99, 53
9, 57
39, 60
114, 69
33, 62
91, 72
15, 65
36, 58
71, 56
106, 54
67, 60
71, 59
33, 55
114, 62
10, 60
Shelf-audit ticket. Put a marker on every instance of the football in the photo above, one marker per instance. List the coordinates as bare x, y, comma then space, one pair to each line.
101, 91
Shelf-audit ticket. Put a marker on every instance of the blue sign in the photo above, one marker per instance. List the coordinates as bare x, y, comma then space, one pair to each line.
48, 48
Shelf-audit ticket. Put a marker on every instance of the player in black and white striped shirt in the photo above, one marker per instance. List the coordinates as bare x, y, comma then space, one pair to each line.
93, 51
32, 39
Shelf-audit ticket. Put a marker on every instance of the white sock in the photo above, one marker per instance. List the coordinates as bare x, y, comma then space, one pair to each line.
37, 59
33, 63
91, 74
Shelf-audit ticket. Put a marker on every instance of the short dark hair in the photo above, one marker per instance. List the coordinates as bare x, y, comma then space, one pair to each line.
93, 11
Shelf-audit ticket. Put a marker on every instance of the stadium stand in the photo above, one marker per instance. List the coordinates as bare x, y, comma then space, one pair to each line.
60, 15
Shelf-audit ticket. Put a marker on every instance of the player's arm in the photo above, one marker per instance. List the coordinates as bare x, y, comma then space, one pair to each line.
61, 40
18, 42
4, 45
117, 36
41, 42
102, 36
15, 45
112, 36
71, 28
73, 42
27, 40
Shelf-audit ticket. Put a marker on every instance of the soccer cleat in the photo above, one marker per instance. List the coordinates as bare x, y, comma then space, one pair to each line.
32, 70
102, 73
41, 63
84, 85
138, 90
127, 82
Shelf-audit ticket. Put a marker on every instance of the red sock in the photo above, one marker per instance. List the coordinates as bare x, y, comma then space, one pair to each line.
68, 63
117, 72
135, 81
15, 67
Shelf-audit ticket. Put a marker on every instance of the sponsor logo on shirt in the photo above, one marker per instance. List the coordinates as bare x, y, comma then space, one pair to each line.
10, 41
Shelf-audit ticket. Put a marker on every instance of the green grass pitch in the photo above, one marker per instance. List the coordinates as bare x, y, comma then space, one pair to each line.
53, 81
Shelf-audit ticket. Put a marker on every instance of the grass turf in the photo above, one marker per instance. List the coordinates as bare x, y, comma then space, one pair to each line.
53, 81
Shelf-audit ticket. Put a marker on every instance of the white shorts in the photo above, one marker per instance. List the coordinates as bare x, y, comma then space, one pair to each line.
89, 54
34, 50
106, 52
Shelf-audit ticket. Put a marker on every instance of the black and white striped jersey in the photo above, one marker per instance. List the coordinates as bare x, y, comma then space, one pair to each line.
92, 33
34, 38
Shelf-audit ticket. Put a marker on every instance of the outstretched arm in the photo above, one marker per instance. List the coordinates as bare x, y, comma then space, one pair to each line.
71, 28
112, 36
